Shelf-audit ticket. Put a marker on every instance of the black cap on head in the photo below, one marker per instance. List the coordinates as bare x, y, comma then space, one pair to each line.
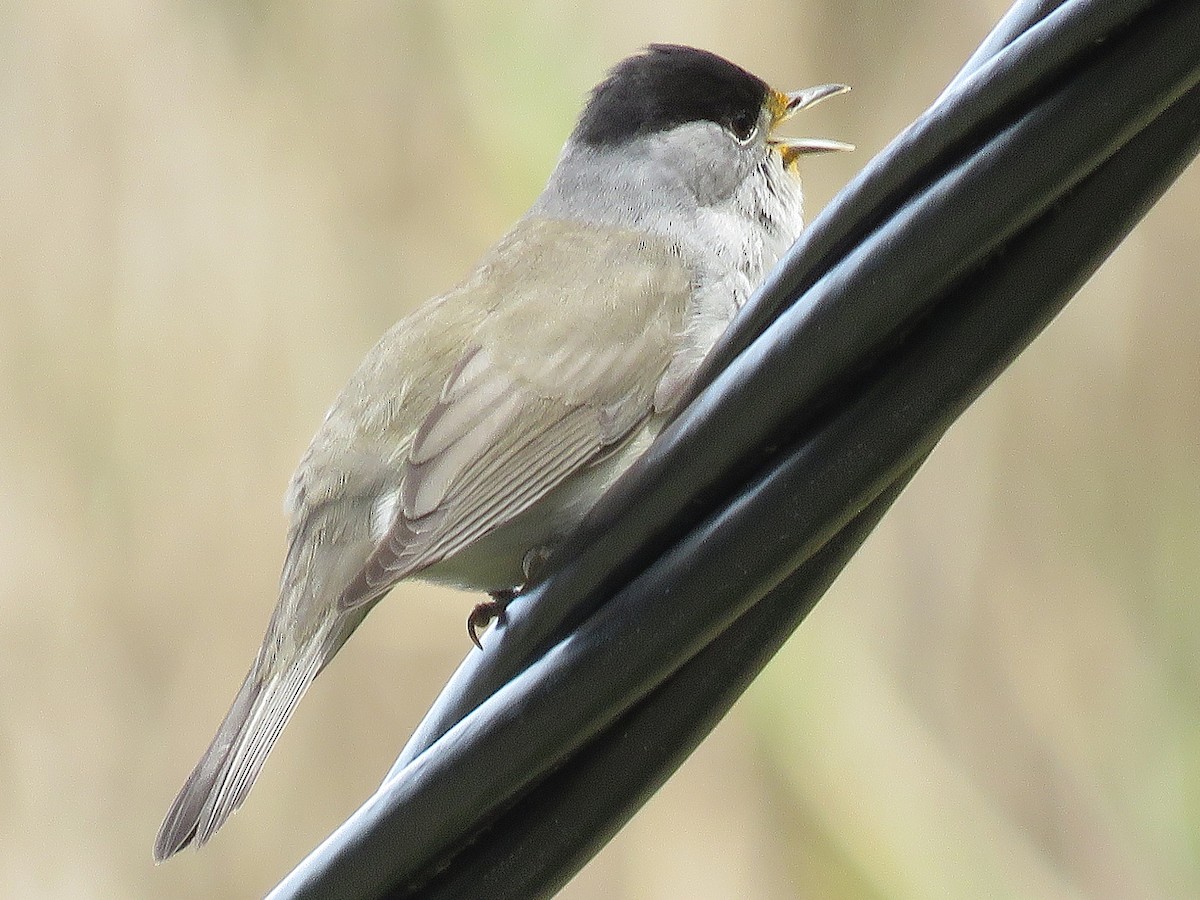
666, 86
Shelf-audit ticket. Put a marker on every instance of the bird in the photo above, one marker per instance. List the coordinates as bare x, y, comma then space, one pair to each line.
485, 424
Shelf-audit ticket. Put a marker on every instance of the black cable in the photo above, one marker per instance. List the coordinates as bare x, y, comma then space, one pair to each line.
821, 416
538, 845
699, 462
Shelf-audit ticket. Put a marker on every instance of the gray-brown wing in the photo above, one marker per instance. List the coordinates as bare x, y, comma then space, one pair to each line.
563, 370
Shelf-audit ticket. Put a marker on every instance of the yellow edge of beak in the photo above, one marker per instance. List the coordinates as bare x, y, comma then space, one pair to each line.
783, 106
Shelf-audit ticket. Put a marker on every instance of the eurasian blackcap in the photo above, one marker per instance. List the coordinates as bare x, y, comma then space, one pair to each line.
483, 426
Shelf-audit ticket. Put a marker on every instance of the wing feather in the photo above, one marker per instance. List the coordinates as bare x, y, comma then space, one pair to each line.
543, 390
497, 483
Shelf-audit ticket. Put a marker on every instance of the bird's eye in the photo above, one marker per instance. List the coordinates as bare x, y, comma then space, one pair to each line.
744, 127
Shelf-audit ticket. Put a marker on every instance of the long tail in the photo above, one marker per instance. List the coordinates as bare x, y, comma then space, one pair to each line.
230, 765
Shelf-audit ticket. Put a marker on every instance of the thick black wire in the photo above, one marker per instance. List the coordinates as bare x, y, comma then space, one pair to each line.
422, 819
535, 847
699, 462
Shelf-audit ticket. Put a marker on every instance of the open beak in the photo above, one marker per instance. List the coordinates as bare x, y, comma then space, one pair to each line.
784, 106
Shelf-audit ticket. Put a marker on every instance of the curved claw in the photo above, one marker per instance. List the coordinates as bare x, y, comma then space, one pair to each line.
487, 612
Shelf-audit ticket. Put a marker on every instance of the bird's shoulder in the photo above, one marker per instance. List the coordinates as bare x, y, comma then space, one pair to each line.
585, 313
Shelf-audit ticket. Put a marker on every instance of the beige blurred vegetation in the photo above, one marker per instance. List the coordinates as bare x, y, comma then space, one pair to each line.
208, 211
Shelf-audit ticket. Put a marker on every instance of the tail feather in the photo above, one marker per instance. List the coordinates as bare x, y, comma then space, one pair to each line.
227, 770
329, 546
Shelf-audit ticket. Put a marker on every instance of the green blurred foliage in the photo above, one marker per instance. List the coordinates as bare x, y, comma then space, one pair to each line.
208, 211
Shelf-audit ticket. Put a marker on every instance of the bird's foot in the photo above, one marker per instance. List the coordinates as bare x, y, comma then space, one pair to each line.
487, 612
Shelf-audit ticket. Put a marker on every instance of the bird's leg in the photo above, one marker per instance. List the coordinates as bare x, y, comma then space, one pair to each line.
489, 611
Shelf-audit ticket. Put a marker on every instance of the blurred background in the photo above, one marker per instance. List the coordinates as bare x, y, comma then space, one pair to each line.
209, 211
